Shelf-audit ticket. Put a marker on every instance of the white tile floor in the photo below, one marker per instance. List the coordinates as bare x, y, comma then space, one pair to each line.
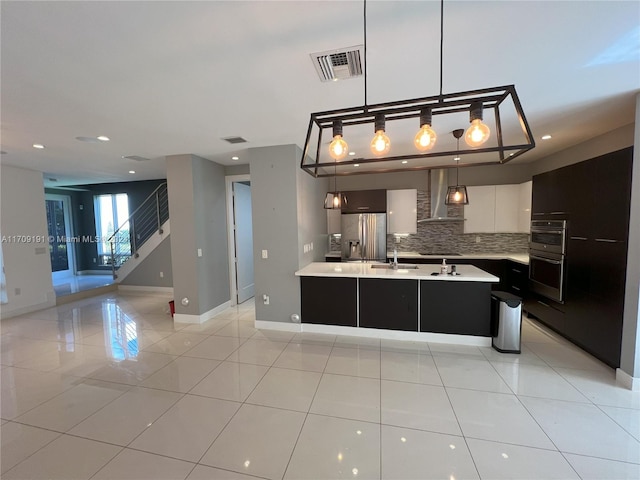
110, 387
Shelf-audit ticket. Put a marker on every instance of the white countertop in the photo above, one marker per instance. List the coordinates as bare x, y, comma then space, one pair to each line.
468, 273
516, 257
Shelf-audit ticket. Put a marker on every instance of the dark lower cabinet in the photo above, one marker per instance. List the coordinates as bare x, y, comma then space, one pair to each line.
389, 304
329, 300
455, 307
516, 278
598, 195
547, 311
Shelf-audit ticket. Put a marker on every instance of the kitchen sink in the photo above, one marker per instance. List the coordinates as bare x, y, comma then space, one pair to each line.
401, 266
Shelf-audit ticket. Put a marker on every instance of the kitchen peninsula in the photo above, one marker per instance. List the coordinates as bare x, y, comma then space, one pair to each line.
411, 302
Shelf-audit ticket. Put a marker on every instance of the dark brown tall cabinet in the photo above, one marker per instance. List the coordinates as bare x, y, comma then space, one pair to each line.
595, 198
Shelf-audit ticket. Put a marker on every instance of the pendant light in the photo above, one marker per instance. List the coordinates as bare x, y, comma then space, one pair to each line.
334, 200
425, 138
338, 148
380, 145
478, 132
457, 195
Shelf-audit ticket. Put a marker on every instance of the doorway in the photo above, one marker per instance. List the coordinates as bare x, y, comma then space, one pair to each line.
240, 232
58, 210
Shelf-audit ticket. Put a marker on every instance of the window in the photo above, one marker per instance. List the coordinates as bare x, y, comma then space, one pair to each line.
111, 213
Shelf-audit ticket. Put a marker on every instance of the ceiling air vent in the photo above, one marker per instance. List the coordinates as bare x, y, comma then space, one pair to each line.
339, 64
137, 158
234, 140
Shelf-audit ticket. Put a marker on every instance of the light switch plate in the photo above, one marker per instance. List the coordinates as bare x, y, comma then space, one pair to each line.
265, 254
199, 252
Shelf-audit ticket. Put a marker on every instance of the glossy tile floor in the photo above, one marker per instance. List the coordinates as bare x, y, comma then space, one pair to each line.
110, 388
79, 283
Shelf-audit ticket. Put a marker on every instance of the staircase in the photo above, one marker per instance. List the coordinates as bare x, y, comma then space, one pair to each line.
140, 233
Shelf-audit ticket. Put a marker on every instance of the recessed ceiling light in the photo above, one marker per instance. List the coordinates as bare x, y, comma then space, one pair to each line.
103, 138
456, 158
404, 162
38, 145
352, 153
132, 171
356, 164
546, 137
235, 158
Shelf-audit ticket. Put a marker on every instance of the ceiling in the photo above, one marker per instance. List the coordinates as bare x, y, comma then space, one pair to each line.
164, 78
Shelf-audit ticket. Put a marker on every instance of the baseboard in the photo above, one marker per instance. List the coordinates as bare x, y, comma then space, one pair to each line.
143, 288
281, 326
186, 318
93, 292
28, 309
469, 340
627, 381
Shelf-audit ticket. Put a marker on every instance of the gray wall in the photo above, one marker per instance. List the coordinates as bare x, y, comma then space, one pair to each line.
27, 262
198, 220
147, 272
312, 217
630, 358
609, 142
488, 175
210, 215
236, 169
275, 229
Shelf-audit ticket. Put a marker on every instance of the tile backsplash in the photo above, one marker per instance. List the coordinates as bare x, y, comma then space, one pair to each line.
441, 237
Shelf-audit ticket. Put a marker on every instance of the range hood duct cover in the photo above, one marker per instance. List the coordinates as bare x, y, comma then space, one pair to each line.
438, 184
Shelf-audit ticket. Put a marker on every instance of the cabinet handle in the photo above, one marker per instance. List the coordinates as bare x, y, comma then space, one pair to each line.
606, 240
554, 262
542, 303
515, 288
363, 208
538, 214
579, 238
516, 270
558, 213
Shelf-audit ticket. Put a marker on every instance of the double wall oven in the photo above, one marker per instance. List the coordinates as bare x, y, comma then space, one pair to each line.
547, 249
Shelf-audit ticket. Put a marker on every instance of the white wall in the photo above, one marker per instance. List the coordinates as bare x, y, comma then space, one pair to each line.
27, 265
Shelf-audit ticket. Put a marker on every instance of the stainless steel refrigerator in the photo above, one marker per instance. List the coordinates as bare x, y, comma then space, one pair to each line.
364, 236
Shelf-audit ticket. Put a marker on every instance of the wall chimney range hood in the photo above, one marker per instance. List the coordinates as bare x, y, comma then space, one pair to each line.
438, 184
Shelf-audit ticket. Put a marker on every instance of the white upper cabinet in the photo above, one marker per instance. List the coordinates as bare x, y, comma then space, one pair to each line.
333, 221
507, 208
402, 211
498, 209
524, 214
480, 214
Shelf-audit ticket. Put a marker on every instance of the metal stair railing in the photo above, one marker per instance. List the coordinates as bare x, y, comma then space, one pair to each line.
145, 220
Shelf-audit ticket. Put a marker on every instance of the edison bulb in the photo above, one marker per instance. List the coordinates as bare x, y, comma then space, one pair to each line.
457, 197
425, 138
338, 148
336, 201
380, 144
477, 133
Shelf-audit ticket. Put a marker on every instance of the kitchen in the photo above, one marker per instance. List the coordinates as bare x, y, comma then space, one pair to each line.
555, 225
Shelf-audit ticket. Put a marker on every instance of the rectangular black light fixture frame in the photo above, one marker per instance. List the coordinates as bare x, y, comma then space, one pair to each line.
490, 98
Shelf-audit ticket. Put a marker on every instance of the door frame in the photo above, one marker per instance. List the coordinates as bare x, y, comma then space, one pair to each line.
68, 226
231, 243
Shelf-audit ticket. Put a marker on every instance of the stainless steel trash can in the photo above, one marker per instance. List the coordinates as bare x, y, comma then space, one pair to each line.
506, 322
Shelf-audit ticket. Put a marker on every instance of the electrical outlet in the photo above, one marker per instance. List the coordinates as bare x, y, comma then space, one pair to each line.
161, 274
265, 299
95, 260
265, 254
199, 252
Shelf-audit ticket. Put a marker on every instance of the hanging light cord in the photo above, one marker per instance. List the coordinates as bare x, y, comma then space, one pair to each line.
441, 43
366, 63
457, 159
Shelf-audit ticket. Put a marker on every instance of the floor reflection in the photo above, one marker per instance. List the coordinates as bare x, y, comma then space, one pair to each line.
79, 283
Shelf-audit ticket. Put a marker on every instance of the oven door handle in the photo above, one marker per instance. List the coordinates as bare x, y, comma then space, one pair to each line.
536, 230
554, 262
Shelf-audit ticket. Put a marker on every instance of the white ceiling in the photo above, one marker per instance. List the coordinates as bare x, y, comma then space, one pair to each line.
163, 78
